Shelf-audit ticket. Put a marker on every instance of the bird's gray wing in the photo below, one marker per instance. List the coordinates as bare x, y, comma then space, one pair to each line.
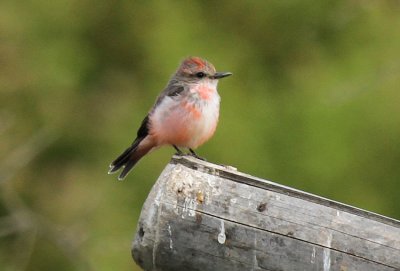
170, 91
144, 129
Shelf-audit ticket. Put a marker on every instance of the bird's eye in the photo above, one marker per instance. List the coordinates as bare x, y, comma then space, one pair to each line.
200, 74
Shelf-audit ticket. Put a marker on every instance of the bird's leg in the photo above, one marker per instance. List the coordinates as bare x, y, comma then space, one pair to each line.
193, 153
178, 151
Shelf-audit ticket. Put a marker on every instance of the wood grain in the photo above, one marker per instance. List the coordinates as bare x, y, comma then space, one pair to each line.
202, 216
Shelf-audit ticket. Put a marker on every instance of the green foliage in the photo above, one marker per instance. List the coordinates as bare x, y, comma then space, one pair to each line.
313, 103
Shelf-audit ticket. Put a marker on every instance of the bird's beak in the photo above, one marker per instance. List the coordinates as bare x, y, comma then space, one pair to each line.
219, 75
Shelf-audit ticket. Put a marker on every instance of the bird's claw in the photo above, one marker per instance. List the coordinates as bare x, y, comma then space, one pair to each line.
198, 157
193, 154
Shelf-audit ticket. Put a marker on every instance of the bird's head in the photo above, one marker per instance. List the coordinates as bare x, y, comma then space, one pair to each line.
195, 69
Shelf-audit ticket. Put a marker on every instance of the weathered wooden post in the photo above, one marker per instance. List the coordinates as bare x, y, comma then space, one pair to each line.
201, 216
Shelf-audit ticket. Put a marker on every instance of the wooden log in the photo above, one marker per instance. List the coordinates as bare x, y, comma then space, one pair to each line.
202, 216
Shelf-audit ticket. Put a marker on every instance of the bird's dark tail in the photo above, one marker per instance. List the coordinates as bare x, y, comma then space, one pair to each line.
128, 159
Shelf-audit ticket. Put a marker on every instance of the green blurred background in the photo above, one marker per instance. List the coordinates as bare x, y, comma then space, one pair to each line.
313, 104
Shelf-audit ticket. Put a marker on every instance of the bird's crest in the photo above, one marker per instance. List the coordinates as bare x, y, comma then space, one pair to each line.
193, 64
200, 63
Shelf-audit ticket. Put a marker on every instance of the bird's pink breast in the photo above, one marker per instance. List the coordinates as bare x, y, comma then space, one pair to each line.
184, 121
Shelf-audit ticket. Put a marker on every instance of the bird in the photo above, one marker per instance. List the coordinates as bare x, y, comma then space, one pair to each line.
184, 115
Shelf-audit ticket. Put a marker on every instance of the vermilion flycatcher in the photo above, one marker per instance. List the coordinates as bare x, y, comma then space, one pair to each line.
185, 114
